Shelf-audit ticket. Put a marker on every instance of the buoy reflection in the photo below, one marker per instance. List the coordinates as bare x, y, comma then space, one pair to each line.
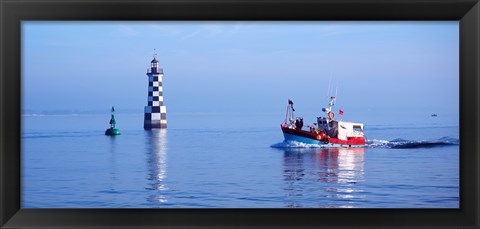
156, 143
113, 164
323, 175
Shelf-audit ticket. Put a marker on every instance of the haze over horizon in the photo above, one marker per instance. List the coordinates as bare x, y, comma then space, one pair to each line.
242, 66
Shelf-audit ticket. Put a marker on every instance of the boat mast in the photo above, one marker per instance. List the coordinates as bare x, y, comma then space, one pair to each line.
330, 107
289, 116
290, 106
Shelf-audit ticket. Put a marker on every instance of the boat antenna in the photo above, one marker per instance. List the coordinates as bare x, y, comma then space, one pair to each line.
329, 84
336, 91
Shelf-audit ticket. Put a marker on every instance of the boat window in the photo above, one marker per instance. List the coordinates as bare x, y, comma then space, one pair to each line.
358, 128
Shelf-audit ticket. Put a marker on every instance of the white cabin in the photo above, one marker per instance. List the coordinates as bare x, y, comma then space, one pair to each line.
349, 129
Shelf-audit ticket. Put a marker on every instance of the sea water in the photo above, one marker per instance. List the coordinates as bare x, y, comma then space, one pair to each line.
236, 160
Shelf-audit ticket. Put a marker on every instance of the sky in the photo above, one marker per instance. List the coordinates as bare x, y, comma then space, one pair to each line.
241, 67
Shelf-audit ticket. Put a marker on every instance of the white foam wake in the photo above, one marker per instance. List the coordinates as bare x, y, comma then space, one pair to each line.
377, 143
294, 144
404, 144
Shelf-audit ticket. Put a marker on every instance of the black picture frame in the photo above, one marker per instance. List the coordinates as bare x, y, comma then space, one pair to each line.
13, 12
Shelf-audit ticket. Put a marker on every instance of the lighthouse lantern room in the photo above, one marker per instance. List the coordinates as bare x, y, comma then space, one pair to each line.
155, 111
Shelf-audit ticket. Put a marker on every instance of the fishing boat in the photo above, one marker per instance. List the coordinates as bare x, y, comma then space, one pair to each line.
326, 132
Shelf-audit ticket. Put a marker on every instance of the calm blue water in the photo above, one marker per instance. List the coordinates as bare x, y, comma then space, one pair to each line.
236, 161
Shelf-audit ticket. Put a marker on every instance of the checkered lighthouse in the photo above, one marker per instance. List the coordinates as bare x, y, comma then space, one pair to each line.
155, 111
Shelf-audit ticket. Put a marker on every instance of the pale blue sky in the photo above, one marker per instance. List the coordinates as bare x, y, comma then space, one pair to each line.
241, 66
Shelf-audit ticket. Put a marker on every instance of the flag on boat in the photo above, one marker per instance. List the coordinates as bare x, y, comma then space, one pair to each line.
340, 112
290, 102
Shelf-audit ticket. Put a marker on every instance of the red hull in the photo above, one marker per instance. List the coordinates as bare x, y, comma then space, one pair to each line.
322, 137
303, 133
349, 141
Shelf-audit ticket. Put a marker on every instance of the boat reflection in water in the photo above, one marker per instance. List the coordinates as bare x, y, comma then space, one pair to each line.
324, 177
156, 143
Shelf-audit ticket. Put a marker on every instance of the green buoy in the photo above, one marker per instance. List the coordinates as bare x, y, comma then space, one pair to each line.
112, 130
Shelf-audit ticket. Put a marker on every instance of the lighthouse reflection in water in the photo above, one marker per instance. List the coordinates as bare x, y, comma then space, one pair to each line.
156, 149
336, 175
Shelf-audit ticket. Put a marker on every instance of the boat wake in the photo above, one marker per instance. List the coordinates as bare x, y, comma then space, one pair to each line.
411, 144
393, 144
294, 144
